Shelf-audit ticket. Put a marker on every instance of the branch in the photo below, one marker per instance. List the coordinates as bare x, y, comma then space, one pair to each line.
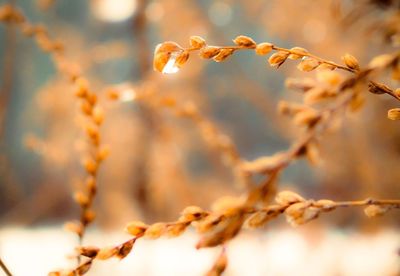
89, 108
4, 268
220, 226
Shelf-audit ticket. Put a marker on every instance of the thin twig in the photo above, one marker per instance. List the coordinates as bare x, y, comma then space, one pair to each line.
4, 267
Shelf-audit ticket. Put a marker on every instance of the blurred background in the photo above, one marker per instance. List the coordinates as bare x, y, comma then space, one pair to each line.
159, 162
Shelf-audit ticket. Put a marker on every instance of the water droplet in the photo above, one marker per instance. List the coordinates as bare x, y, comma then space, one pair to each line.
171, 67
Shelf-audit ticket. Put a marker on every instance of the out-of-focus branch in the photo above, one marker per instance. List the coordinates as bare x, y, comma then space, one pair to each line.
139, 30
89, 108
148, 118
8, 68
4, 268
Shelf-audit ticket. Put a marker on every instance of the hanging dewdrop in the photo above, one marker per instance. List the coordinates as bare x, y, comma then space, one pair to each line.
169, 57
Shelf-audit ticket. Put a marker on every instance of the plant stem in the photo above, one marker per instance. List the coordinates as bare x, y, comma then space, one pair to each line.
369, 201
315, 57
4, 268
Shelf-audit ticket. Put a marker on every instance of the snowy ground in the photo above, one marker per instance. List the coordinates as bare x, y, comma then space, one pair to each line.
278, 252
